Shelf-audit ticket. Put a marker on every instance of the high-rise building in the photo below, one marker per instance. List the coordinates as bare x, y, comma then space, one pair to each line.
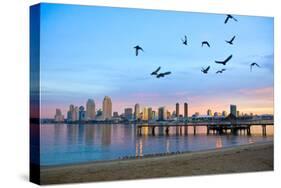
233, 110
224, 113
82, 113
71, 116
58, 116
185, 110
145, 114
128, 113
149, 113
209, 112
90, 109
162, 114
107, 108
177, 110
137, 112
153, 115
169, 114
76, 113
237, 113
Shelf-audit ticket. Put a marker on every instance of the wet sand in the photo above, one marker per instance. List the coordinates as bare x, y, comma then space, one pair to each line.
247, 158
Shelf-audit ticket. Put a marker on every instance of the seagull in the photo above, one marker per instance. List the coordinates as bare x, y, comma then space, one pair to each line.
137, 49
230, 41
225, 61
205, 71
205, 42
228, 16
156, 71
221, 71
185, 40
163, 74
253, 64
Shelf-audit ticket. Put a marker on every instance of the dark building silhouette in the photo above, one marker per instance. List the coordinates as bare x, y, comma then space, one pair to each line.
177, 110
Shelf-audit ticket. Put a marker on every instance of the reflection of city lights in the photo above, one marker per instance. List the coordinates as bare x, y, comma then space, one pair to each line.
218, 142
168, 146
250, 140
140, 145
137, 149
145, 130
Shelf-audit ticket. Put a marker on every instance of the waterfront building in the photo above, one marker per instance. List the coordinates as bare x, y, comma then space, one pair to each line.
209, 112
216, 114
82, 114
238, 113
107, 108
233, 110
99, 113
149, 113
128, 113
145, 114
185, 110
162, 114
169, 114
90, 109
75, 114
137, 112
153, 115
115, 114
71, 116
177, 110
58, 116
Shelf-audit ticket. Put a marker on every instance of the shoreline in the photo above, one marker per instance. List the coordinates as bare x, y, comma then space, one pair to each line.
127, 158
244, 158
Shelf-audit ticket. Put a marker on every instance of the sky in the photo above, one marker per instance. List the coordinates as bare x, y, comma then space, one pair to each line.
87, 52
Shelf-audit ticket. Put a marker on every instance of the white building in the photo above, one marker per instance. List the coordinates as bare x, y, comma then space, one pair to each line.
107, 108
90, 109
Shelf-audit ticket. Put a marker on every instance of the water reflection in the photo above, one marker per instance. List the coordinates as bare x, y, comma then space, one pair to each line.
70, 143
218, 142
106, 135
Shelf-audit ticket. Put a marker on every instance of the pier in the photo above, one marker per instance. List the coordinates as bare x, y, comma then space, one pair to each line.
223, 127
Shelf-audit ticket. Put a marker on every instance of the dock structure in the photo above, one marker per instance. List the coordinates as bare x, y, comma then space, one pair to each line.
223, 127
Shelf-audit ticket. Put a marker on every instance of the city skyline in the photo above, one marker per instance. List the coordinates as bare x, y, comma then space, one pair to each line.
79, 60
140, 112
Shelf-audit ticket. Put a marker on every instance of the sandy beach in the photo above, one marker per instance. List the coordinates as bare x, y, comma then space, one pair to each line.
246, 158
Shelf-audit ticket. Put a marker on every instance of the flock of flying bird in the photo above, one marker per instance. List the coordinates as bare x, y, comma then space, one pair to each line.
204, 43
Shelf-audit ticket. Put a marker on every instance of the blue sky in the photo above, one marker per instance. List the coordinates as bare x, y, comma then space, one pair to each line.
87, 52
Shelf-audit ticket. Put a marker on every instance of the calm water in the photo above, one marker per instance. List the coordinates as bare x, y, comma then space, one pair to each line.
66, 144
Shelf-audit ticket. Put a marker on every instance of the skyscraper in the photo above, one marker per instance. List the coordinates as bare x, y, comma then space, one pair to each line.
75, 113
237, 113
137, 112
153, 115
177, 110
209, 112
58, 116
107, 108
224, 113
233, 110
71, 114
128, 113
185, 110
82, 113
162, 114
149, 112
90, 109
144, 114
